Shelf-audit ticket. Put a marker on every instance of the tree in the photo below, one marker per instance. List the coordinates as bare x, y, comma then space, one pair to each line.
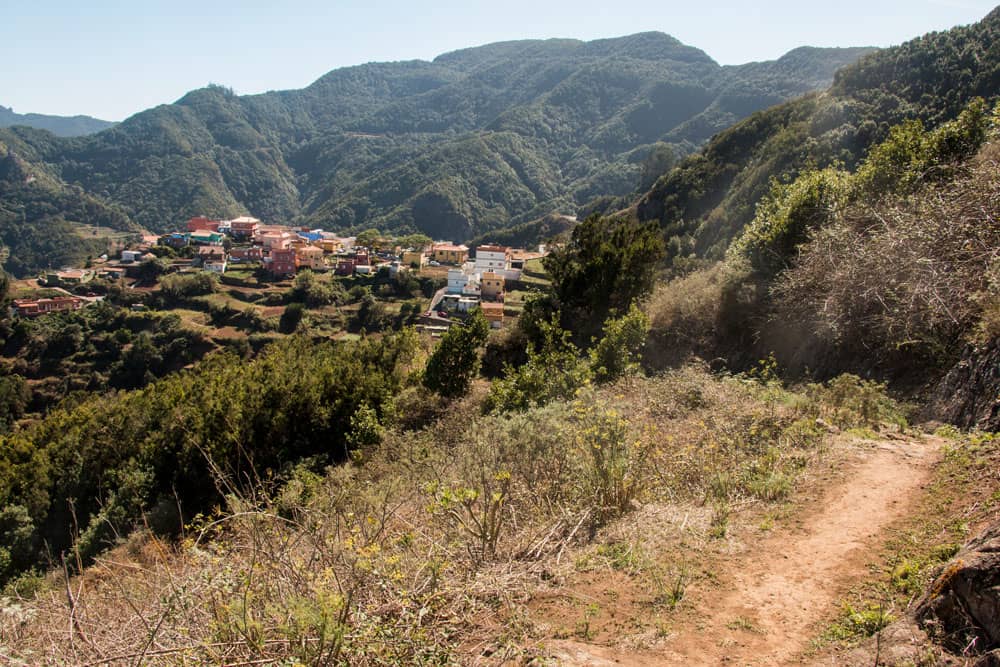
455, 361
415, 241
291, 318
660, 160
608, 264
368, 238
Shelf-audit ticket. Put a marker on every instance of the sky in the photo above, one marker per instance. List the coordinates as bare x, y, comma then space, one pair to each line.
112, 59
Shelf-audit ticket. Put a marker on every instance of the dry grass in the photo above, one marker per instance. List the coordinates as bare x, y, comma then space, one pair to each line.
439, 546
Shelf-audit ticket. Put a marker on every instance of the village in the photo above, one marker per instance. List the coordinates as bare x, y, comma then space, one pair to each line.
464, 278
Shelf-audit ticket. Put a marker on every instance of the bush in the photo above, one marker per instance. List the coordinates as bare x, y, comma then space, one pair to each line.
617, 353
849, 402
455, 361
554, 371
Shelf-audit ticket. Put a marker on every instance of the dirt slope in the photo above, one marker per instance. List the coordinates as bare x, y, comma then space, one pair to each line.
779, 592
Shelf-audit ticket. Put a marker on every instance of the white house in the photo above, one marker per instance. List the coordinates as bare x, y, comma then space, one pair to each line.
129, 256
464, 280
492, 258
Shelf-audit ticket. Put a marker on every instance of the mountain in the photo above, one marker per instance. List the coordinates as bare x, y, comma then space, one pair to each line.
474, 141
710, 196
41, 217
63, 126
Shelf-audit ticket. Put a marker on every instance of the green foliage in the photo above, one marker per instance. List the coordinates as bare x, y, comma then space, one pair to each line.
848, 401
711, 196
455, 361
291, 317
614, 469
452, 148
912, 155
191, 436
178, 287
553, 371
314, 292
605, 267
617, 352
787, 214
14, 397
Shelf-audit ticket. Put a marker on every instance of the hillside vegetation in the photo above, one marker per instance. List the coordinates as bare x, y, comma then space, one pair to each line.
705, 202
476, 140
604, 492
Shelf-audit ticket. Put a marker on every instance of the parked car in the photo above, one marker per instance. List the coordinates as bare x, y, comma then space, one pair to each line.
442, 313
433, 263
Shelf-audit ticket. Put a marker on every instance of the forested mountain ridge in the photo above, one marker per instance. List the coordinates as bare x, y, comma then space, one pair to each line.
63, 126
37, 209
475, 140
708, 199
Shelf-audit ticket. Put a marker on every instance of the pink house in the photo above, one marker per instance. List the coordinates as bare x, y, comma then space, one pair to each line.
283, 262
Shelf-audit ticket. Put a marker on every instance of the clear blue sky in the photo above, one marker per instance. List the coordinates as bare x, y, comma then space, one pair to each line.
112, 59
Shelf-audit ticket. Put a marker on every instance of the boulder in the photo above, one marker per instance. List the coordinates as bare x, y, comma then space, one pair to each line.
969, 394
961, 610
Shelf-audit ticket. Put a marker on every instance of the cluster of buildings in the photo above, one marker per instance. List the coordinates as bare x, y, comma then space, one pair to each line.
281, 250
56, 304
480, 282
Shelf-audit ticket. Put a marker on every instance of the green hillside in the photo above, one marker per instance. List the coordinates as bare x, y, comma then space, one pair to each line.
704, 203
40, 215
476, 140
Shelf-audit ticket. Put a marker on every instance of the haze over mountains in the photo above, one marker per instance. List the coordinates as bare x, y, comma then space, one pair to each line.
63, 126
476, 140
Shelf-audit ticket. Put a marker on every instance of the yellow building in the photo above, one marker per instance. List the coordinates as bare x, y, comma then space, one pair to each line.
493, 312
310, 257
491, 286
447, 253
414, 258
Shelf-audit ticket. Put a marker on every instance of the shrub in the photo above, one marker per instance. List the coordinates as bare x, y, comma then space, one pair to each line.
455, 361
553, 371
849, 402
617, 353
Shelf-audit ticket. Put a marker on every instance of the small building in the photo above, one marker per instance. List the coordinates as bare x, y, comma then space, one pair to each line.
345, 266
491, 286
467, 304
364, 269
244, 228
206, 238
203, 224
311, 257
129, 256
493, 312
252, 253
395, 268
415, 258
361, 256
209, 255
174, 240
448, 253
283, 262
215, 266
276, 240
35, 307
464, 280
111, 273
68, 277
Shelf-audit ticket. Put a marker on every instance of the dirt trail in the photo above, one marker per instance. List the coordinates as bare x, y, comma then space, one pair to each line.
776, 596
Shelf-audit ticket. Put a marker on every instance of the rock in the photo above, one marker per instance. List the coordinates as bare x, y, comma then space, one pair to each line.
961, 610
969, 395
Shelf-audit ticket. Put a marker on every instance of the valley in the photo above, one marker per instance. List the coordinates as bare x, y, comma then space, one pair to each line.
543, 352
